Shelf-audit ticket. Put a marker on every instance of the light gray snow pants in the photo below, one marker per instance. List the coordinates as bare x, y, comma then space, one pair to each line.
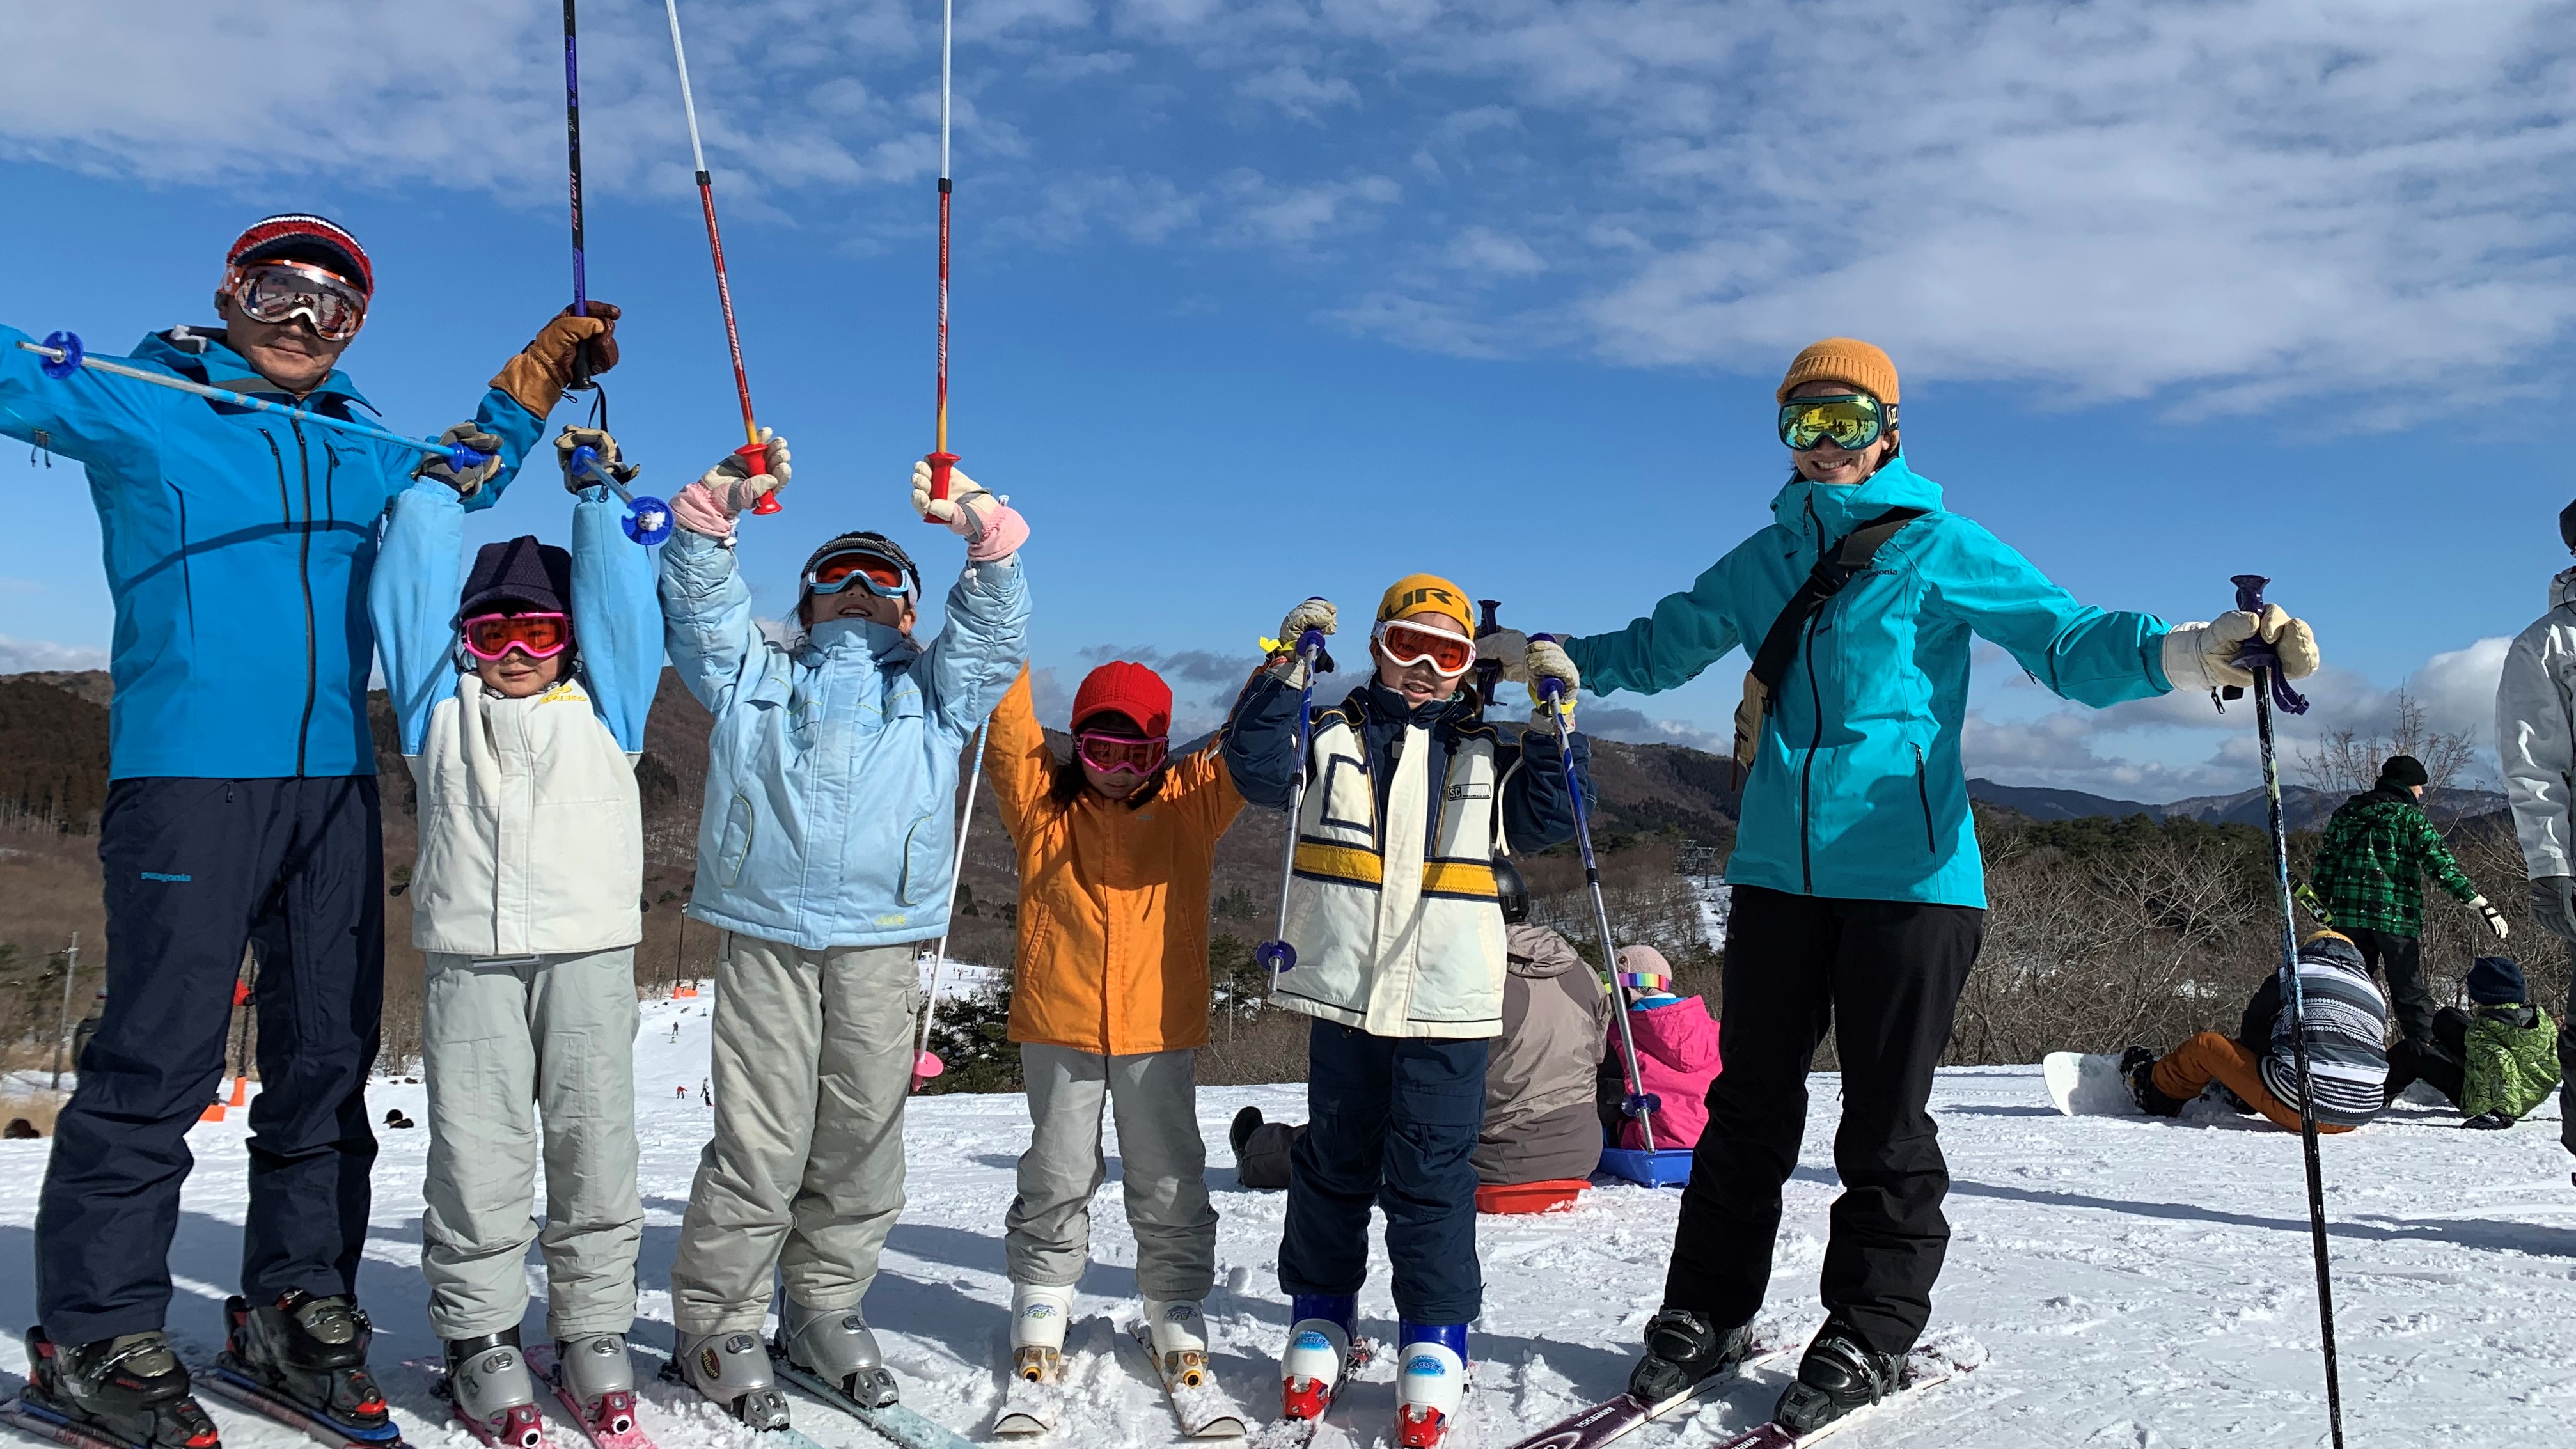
505, 1044
813, 1061
1047, 1234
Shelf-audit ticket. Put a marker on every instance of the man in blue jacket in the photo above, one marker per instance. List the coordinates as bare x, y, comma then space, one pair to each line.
1859, 894
242, 810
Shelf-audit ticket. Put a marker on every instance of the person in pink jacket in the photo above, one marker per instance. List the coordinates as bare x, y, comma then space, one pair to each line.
1676, 1049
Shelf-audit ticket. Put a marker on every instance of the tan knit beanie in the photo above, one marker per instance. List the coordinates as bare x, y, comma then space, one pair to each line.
1845, 360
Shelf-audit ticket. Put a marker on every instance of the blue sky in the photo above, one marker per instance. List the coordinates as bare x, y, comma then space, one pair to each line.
1260, 300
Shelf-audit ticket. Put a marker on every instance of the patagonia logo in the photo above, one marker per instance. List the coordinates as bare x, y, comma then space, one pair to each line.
1473, 790
1415, 597
165, 875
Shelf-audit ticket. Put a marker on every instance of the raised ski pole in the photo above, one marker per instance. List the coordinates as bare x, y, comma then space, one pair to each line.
648, 519
581, 381
2271, 687
1489, 672
1276, 955
1640, 1103
64, 356
926, 1063
942, 460
754, 454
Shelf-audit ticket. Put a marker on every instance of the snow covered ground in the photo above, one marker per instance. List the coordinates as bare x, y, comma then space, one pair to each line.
2135, 1283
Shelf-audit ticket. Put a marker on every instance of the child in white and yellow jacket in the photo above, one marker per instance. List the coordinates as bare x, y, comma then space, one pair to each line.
521, 701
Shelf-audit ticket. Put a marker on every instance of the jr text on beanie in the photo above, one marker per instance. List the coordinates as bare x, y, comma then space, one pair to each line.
1844, 360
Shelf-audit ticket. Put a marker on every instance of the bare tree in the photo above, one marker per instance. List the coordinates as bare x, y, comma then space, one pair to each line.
2346, 761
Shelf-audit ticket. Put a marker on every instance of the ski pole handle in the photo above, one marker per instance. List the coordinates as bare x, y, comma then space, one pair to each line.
1489, 672
941, 463
2260, 657
755, 464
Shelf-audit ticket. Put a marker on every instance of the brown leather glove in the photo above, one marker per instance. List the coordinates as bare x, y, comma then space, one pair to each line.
537, 377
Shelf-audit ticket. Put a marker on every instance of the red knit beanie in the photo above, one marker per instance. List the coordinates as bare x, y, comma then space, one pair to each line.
1129, 689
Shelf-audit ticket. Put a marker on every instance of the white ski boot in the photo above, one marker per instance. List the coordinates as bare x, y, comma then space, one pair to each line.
1180, 1341
1039, 1318
491, 1393
1319, 1353
834, 1345
1431, 1383
597, 1380
732, 1369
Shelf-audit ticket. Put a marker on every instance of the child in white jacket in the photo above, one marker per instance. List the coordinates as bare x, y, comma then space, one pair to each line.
521, 704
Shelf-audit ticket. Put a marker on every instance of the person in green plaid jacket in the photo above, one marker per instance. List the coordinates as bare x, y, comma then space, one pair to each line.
2369, 876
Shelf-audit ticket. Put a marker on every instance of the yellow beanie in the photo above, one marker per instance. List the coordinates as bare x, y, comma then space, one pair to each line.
1415, 593
1845, 360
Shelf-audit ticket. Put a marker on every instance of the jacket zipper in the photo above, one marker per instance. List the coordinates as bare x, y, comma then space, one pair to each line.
304, 576
1923, 792
1807, 767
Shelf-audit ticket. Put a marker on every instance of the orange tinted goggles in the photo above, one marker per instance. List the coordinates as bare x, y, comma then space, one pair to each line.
1409, 644
539, 636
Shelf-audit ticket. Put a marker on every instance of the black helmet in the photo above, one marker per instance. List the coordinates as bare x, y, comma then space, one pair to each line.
2567, 526
1512, 889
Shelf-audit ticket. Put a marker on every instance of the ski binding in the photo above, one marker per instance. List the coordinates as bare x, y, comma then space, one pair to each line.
616, 1427
1205, 1410
250, 1393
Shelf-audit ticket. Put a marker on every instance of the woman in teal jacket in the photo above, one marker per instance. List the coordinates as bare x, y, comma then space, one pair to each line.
1859, 893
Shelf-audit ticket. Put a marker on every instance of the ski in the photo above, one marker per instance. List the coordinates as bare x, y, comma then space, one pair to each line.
1616, 1417
55, 1428
1299, 1433
1924, 1369
669, 1373
1030, 1407
524, 1427
893, 1423
251, 1394
1205, 1410
542, 1359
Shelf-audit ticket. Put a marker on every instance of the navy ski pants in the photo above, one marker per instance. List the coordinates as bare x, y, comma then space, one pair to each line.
196, 868
1392, 1121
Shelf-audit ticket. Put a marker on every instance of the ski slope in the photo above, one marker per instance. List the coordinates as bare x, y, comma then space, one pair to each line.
2133, 1283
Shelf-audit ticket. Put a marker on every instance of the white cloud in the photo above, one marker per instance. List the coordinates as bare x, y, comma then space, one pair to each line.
1293, 90
1482, 251
18, 656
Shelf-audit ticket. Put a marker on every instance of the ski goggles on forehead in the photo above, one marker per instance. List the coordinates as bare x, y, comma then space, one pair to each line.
873, 572
279, 292
1121, 754
539, 636
1851, 420
1409, 644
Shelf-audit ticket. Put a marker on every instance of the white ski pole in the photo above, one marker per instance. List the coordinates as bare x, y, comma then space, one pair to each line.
926, 1063
1276, 955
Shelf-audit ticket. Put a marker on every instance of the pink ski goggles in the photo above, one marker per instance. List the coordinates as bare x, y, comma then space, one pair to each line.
539, 636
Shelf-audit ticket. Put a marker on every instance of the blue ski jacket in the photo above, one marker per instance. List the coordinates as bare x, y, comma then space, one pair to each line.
231, 537
831, 808
419, 579
1857, 791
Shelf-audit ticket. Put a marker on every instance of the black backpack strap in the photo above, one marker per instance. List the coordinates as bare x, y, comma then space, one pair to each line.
1838, 564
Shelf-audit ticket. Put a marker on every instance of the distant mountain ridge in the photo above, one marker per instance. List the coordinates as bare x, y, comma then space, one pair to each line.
2302, 807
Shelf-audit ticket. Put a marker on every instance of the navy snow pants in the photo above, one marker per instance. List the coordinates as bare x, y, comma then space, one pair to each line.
196, 868
1392, 1121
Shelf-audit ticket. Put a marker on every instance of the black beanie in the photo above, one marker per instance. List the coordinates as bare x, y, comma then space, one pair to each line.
2496, 981
2403, 770
536, 576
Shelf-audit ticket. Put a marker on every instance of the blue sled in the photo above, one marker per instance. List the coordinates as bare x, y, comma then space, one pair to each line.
1669, 1167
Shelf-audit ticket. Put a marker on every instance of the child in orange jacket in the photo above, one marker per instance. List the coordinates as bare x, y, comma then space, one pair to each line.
1116, 847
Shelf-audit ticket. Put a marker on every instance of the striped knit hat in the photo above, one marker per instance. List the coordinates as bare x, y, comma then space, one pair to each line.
300, 236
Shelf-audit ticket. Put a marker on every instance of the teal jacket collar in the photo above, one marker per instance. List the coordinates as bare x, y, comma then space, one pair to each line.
1839, 508
203, 354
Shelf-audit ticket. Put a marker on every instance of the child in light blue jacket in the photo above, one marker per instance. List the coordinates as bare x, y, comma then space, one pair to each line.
825, 852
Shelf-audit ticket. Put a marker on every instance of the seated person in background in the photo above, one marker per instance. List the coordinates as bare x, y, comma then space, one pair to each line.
1677, 1054
2496, 1061
2347, 1023
1539, 1123
1261, 1149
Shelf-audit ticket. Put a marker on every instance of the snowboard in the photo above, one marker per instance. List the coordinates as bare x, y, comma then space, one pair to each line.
2088, 1084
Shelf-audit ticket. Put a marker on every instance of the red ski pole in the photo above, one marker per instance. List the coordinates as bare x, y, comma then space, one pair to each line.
754, 455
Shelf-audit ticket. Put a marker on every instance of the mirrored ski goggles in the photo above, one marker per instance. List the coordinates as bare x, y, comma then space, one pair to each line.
876, 573
1121, 754
277, 292
1406, 645
1850, 420
539, 636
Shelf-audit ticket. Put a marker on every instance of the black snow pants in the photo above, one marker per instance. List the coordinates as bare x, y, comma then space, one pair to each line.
1884, 977
2401, 960
194, 870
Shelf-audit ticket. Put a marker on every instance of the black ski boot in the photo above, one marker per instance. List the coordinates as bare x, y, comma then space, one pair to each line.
1683, 1350
2138, 1065
1840, 1373
130, 1389
312, 1353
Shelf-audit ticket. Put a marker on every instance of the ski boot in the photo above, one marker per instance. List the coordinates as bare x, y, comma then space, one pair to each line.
1431, 1383
732, 1369
1179, 1330
2138, 1066
1322, 1329
1840, 1373
490, 1392
311, 1353
1684, 1350
595, 1374
130, 1389
834, 1345
1039, 1318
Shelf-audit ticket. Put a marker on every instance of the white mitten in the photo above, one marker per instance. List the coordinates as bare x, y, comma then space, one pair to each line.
1544, 660
1510, 649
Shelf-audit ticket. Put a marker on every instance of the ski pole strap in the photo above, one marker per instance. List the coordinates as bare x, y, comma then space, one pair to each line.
1840, 562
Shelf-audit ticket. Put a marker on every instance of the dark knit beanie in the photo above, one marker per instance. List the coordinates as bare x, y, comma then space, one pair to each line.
2497, 981
2403, 770
536, 576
